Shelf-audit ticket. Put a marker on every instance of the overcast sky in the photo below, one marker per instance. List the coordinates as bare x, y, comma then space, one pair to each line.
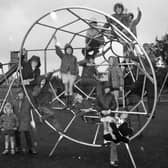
17, 16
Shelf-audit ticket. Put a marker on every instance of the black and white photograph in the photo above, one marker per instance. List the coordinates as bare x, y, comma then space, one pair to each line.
83, 83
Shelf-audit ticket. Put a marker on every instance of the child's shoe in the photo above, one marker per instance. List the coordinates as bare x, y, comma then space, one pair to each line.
32, 151
12, 152
114, 164
5, 152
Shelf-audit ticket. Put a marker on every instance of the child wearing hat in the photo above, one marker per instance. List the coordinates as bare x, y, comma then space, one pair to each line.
69, 70
8, 125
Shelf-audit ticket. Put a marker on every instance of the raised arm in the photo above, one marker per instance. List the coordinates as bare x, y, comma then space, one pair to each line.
58, 49
138, 18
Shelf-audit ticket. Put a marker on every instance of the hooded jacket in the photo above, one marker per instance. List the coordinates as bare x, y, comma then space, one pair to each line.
27, 71
69, 62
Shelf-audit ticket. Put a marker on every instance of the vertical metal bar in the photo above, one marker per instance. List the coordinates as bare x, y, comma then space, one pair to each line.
45, 62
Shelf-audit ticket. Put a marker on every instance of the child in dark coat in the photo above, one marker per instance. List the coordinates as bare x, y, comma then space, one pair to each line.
94, 37
89, 73
112, 132
22, 109
30, 72
106, 102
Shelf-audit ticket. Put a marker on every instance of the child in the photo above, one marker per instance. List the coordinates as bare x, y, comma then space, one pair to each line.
119, 12
30, 72
116, 78
116, 130
134, 22
119, 15
8, 125
69, 70
106, 102
94, 37
89, 72
22, 109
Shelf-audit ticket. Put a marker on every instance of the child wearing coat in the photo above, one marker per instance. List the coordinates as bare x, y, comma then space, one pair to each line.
69, 70
134, 22
116, 129
94, 37
8, 125
89, 73
119, 15
106, 102
31, 70
22, 109
116, 77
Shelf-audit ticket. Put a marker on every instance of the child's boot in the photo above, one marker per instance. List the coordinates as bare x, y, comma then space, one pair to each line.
5, 152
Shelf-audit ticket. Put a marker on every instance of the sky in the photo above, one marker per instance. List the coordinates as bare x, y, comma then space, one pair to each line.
17, 16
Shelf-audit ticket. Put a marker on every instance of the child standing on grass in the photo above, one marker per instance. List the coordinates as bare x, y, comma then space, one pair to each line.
69, 70
8, 125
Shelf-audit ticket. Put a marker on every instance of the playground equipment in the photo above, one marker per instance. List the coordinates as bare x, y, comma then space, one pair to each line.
70, 25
